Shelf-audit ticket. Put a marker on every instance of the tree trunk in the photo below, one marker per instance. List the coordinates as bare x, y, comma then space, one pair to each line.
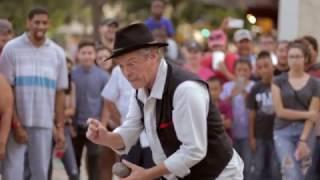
97, 13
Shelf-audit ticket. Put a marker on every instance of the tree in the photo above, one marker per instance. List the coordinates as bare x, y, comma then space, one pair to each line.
16, 11
96, 14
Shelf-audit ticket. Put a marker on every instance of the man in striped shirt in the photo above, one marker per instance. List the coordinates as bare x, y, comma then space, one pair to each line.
36, 68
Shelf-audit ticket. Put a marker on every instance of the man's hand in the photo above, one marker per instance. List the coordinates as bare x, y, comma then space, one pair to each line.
20, 135
97, 133
59, 138
137, 172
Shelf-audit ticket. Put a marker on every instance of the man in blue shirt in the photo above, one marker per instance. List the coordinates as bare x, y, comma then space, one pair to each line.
157, 21
89, 81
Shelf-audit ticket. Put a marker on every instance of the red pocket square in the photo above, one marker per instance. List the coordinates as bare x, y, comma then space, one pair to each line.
165, 125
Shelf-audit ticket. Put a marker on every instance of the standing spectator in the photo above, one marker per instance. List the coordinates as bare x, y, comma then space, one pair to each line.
236, 92
267, 42
6, 32
115, 108
243, 40
36, 68
295, 97
282, 56
89, 81
193, 55
157, 21
102, 54
67, 154
107, 31
218, 42
171, 52
313, 68
261, 119
312, 44
224, 107
6, 108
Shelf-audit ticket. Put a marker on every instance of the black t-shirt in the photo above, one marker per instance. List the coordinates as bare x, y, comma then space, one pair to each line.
277, 72
260, 100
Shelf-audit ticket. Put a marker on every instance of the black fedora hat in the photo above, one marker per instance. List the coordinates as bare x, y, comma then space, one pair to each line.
133, 37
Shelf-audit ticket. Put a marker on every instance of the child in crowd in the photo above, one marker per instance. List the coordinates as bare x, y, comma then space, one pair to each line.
236, 92
102, 54
261, 119
224, 107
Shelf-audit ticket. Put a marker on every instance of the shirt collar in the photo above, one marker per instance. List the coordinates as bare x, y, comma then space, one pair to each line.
27, 40
159, 83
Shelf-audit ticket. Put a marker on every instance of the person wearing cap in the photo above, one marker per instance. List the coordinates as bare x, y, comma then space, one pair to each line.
218, 42
107, 30
243, 41
173, 107
156, 20
6, 32
193, 55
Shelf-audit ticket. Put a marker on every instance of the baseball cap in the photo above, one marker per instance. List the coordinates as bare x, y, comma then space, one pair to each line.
5, 26
192, 45
110, 21
217, 37
242, 34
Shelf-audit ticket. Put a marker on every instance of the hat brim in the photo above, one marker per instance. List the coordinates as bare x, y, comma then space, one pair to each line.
122, 51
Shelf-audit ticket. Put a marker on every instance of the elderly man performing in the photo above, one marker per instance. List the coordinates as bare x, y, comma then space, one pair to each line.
174, 108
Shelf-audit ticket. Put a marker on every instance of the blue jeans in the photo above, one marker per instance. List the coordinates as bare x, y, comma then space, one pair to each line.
286, 141
243, 149
69, 158
265, 162
314, 172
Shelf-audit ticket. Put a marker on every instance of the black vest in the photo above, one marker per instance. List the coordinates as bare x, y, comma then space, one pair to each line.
219, 150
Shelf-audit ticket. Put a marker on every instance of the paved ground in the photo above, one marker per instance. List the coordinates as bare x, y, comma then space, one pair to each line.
60, 174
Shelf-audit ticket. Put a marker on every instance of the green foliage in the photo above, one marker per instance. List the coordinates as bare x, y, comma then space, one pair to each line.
62, 11
17, 10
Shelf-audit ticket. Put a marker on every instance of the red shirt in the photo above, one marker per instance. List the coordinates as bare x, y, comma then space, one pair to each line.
225, 109
229, 61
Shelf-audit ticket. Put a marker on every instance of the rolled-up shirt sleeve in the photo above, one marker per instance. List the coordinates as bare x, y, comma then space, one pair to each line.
191, 104
131, 129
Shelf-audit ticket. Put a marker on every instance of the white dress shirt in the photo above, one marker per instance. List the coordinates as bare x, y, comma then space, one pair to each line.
118, 90
190, 103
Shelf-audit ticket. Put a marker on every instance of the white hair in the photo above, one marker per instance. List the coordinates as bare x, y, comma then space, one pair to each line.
146, 52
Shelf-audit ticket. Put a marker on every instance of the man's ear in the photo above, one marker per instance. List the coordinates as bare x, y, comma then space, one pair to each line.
154, 53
